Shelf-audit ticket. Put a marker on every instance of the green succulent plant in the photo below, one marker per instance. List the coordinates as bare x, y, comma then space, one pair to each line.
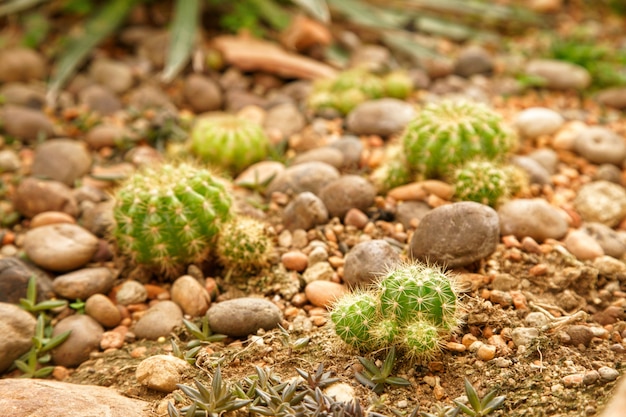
228, 141
376, 378
353, 317
393, 171
244, 245
445, 135
168, 216
487, 182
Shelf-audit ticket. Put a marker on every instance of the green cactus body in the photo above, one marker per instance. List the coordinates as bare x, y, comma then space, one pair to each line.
167, 216
487, 182
384, 332
420, 339
419, 291
445, 135
393, 171
244, 246
398, 85
229, 142
353, 315
348, 90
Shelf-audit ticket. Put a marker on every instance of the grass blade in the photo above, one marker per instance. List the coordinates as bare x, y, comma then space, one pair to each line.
317, 8
96, 29
17, 6
182, 36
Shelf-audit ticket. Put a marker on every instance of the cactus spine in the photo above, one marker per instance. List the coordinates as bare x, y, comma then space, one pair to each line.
244, 245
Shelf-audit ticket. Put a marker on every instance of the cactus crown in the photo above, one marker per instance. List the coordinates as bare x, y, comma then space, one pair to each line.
166, 217
243, 245
444, 135
229, 142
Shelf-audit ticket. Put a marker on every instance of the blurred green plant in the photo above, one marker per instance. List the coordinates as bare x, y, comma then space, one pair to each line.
376, 378
479, 407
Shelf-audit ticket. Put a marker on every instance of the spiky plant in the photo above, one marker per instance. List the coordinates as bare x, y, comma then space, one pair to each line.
244, 245
393, 171
353, 317
398, 85
228, 141
444, 135
168, 216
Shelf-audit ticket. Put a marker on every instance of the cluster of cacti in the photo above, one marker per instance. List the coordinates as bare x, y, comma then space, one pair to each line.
487, 182
168, 216
445, 135
352, 87
244, 245
412, 307
229, 142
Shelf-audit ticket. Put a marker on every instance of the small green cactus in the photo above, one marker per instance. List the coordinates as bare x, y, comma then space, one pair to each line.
168, 216
244, 245
398, 85
393, 171
487, 182
444, 135
229, 142
412, 307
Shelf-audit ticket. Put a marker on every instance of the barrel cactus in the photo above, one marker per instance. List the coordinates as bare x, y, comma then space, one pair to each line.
168, 216
243, 245
444, 135
228, 141
353, 317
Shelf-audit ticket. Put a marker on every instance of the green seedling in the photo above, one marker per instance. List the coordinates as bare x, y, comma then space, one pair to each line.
188, 355
30, 303
442, 411
79, 306
202, 334
376, 378
479, 407
277, 401
298, 344
319, 379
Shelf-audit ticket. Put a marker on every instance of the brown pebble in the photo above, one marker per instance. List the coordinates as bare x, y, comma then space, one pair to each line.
573, 380
413, 191
486, 352
299, 300
138, 352
530, 245
355, 217
456, 347
111, 340
510, 241
538, 270
51, 217
324, 293
319, 321
519, 300
295, 261
441, 189
60, 373
468, 339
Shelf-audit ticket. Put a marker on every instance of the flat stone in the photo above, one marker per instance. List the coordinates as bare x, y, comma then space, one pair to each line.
456, 234
243, 316
285, 119
534, 218
161, 372
600, 145
83, 283
34, 196
60, 247
472, 60
114, 75
99, 100
537, 121
326, 154
559, 75
305, 212
523, 336
59, 399
21, 64
159, 321
63, 160
308, 176
602, 202
381, 117
347, 192
17, 327
582, 246
368, 261
84, 338
613, 97
324, 293
26, 124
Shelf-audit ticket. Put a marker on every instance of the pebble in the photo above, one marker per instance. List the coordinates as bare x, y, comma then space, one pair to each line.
190, 295
103, 310
524, 336
538, 121
351, 148
504, 282
346, 192
324, 293
600, 145
536, 319
591, 377
609, 315
131, 292
161, 372
83, 283
534, 218
382, 117
407, 212
611, 242
613, 97
368, 261
150, 97
326, 154
63, 160
51, 217
473, 60
9, 161
305, 212
284, 118
98, 218
486, 352
114, 75
21, 64
295, 261
579, 335
537, 174
321, 271
14, 277
456, 347
34, 196
243, 316
60, 247
112, 340
318, 254
202, 93
27, 95
573, 380
610, 267
456, 234
259, 173
105, 135
84, 338
608, 172
547, 158
18, 328
608, 373
355, 217
583, 246
99, 100
24, 123
159, 321
602, 202
559, 75
501, 297
308, 176
341, 392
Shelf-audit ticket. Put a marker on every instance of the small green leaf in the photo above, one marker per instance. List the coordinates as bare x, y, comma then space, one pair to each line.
56, 341
396, 380
316, 8
31, 290
43, 372
49, 305
389, 361
182, 34
472, 395
465, 409
369, 366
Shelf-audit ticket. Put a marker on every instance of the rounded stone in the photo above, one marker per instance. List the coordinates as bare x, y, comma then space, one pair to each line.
295, 261
84, 338
131, 292
351, 148
538, 121
259, 173
611, 242
559, 75
21, 64
83, 283
319, 271
62, 160
105, 135
382, 117
524, 336
407, 212
607, 373
534, 218
17, 327
60, 247
324, 293
34, 196
308, 176
473, 60
601, 202
9, 161
547, 158
202, 93
103, 310
326, 154
285, 119
99, 100
159, 321
305, 212
600, 145
613, 97
579, 335
537, 174
456, 234
51, 217
190, 295
161, 372
368, 261
347, 192
27, 95
582, 246
114, 75
243, 316
25, 123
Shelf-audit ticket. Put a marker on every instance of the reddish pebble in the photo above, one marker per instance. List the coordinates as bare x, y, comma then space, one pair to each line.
468, 339
355, 217
456, 347
574, 380
538, 270
51, 217
324, 293
486, 352
295, 261
60, 373
510, 241
154, 291
139, 352
112, 340
519, 300
530, 245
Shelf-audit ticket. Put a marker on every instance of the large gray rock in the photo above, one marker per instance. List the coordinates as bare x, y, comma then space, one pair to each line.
243, 316
368, 261
534, 218
305, 211
84, 338
36, 397
17, 328
456, 234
